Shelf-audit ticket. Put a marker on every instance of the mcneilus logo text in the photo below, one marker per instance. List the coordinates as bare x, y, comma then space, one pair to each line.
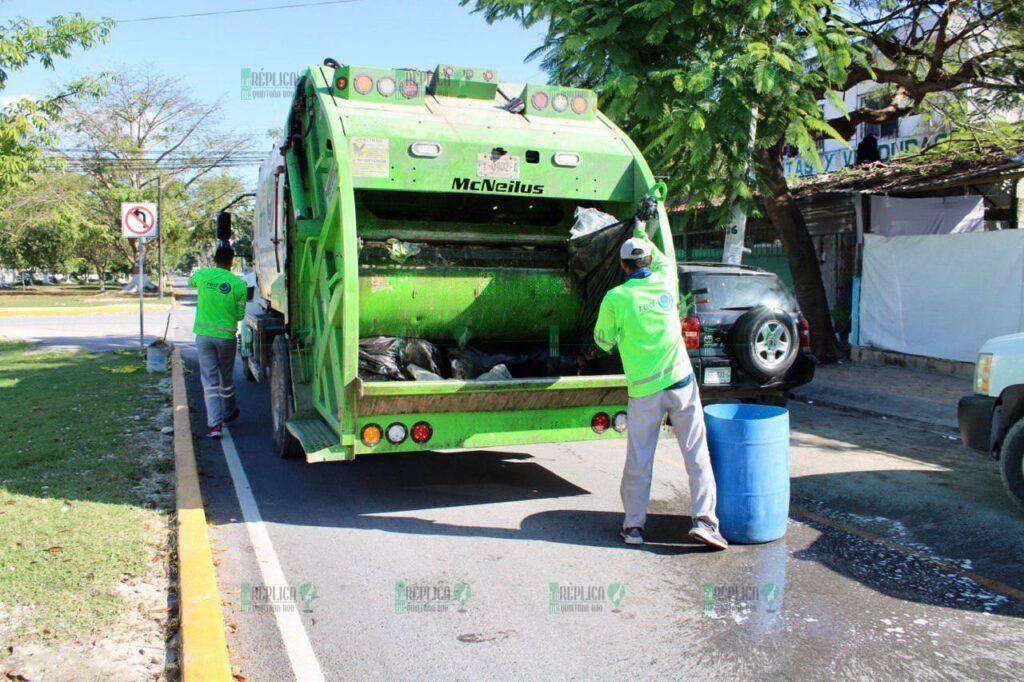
488, 185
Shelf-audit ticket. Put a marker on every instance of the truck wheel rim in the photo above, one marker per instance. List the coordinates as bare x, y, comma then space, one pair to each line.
772, 343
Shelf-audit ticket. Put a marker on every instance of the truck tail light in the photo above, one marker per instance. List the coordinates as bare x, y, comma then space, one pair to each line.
410, 89
396, 433
805, 333
560, 102
539, 100
579, 104
421, 432
691, 332
600, 422
363, 84
371, 435
386, 86
619, 422
983, 373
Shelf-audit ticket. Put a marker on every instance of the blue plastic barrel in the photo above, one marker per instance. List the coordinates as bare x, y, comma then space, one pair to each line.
750, 456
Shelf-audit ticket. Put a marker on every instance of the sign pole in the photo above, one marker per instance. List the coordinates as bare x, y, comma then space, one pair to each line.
159, 243
142, 290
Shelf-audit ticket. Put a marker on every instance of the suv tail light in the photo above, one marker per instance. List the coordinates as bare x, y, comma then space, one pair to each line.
691, 332
805, 333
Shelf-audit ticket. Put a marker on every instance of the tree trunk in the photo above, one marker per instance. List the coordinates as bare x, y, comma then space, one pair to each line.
102, 276
781, 209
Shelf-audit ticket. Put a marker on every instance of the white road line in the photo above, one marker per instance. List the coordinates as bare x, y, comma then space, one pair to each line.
289, 624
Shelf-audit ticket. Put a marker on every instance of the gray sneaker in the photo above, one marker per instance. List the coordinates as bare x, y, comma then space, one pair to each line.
632, 536
711, 538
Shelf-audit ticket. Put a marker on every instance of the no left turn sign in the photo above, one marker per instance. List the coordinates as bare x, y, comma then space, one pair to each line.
138, 220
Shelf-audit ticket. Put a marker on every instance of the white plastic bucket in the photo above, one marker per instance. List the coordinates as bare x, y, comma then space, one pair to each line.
156, 356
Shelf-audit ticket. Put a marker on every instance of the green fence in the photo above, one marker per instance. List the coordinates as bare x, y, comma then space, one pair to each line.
707, 245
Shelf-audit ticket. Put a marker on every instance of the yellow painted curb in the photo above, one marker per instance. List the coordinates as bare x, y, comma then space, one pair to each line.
82, 310
204, 648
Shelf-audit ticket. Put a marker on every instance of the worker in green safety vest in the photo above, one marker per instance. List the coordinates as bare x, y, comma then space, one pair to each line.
641, 317
220, 305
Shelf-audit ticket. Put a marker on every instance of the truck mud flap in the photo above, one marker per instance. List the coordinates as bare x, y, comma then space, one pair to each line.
408, 397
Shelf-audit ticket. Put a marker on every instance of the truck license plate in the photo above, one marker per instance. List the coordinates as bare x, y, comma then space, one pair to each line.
717, 375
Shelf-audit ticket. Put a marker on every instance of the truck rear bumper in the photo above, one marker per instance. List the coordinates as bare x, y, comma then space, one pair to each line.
469, 430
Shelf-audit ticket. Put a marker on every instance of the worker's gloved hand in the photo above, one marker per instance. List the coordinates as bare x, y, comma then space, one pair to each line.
591, 352
647, 209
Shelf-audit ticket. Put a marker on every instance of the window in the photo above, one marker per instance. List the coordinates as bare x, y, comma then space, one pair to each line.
889, 128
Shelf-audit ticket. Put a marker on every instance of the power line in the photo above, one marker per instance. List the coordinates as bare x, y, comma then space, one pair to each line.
237, 11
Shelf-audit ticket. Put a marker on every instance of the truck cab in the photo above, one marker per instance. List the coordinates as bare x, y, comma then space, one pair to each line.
432, 210
991, 420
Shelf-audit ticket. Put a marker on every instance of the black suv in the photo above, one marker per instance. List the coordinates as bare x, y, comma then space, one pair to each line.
744, 332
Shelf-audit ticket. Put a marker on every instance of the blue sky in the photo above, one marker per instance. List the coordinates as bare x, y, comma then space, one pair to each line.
209, 53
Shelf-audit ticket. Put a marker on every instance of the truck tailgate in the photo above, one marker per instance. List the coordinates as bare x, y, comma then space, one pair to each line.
399, 397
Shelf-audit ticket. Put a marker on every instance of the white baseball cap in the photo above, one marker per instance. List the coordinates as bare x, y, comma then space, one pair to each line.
634, 248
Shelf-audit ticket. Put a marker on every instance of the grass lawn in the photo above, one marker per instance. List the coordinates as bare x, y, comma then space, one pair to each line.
73, 522
71, 296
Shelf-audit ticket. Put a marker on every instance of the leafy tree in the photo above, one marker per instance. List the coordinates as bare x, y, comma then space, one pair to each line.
25, 125
687, 78
39, 223
144, 130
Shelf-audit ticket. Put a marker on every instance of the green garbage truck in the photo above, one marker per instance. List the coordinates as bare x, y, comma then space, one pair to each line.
411, 249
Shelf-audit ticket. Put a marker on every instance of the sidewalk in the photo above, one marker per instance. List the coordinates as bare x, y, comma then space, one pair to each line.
888, 390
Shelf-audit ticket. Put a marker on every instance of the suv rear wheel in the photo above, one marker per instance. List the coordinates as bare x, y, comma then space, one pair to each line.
765, 341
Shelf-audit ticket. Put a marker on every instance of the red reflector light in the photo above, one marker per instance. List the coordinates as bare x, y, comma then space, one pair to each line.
341, 83
410, 89
805, 333
539, 100
600, 422
421, 432
691, 332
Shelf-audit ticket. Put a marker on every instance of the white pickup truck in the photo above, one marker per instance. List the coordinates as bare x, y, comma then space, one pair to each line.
992, 419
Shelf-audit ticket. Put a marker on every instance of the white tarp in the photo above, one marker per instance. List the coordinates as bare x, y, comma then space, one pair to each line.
941, 296
896, 216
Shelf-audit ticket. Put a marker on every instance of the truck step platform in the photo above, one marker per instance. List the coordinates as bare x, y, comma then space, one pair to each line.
312, 432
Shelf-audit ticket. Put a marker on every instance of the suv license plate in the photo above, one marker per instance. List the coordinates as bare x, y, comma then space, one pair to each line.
717, 375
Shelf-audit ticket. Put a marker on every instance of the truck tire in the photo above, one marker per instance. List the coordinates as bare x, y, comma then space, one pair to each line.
285, 444
1011, 460
765, 342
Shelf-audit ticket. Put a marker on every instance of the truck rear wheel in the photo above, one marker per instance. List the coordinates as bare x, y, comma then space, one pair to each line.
1011, 460
285, 444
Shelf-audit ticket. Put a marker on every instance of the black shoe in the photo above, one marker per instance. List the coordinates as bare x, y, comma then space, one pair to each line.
233, 416
632, 536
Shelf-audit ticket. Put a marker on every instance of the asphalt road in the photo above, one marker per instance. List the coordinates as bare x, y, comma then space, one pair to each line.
903, 558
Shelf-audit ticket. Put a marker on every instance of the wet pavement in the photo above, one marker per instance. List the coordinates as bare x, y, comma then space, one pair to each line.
903, 557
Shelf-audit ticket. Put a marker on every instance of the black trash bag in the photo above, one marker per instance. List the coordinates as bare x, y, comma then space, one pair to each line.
378, 358
421, 353
473, 360
594, 266
594, 255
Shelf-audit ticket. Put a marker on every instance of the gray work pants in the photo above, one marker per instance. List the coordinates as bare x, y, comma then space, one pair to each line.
216, 366
645, 416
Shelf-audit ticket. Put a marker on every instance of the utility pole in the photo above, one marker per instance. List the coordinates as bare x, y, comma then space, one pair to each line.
159, 241
736, 232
